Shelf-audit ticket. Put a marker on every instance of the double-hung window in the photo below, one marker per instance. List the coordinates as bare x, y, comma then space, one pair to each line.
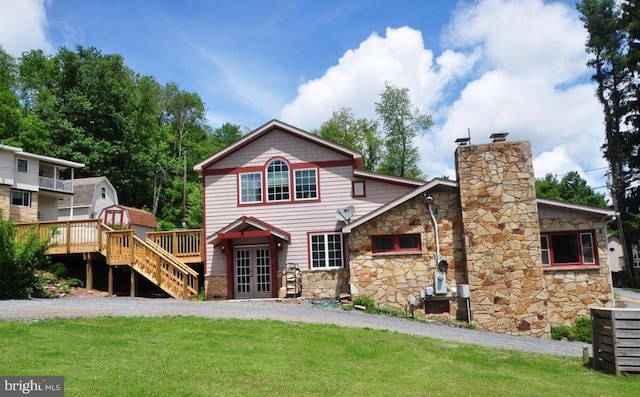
566, 249
278, 181
326, 250
251, 188
306, 184
22, 165
20, 198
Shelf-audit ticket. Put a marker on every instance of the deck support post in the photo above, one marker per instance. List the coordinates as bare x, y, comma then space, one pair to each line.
89, 271
110, 287
133, 283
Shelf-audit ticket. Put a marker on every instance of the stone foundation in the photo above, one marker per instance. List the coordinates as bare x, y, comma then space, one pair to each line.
325, 284
215, 287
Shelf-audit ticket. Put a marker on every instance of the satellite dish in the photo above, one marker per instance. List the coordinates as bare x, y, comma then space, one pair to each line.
344, 214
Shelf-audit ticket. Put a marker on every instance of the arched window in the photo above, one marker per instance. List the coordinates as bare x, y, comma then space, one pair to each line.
278, 181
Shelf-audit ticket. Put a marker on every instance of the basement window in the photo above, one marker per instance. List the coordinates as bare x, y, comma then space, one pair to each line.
400, 243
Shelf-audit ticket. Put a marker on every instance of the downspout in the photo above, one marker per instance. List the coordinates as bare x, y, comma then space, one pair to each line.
429, 201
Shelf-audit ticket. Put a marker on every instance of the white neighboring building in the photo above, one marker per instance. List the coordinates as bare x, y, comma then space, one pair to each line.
91, 196
32, 185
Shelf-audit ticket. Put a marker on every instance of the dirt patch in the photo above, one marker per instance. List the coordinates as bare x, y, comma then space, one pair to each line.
77, 291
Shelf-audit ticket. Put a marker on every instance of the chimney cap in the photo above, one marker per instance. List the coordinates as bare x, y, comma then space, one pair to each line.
462, 141
499, 136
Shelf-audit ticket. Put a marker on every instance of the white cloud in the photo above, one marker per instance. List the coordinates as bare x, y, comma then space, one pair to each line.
511, 66
23, 26
359, 77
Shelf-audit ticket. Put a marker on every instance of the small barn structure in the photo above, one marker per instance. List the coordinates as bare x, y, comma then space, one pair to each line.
122, 217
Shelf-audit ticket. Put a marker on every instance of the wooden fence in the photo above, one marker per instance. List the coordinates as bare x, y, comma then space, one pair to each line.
616, 340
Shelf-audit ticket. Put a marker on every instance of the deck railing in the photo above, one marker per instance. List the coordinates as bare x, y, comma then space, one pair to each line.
120, 247
67, 237
187, 245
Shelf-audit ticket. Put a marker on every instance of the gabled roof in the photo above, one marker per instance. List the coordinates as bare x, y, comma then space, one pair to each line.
247, 222
137, 216
387, 178
289, 129
84, 190
575, 207
435, 185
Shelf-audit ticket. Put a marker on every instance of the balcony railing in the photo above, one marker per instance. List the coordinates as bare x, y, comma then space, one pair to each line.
57, 185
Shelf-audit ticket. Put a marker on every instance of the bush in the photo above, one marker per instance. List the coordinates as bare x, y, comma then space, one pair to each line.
559, 332
19, 261
367, 302
579, 331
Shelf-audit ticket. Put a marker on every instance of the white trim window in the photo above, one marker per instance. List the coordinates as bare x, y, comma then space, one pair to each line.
22, 165
326, 250
278, 181
20, 198
306, 184
251, 188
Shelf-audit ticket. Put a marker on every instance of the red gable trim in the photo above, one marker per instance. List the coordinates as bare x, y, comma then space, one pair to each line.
294, 166
244, 234
286, 128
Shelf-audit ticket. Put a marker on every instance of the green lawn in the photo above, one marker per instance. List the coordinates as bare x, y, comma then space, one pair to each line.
185, 356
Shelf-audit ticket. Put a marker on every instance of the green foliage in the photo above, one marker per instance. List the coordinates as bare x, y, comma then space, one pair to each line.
571, 188
19, 259
360, 135
365, 301
560, 332
401, 122
389, 311
86, 106
580, 330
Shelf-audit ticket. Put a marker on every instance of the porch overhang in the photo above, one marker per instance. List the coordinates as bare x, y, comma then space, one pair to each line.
247, 227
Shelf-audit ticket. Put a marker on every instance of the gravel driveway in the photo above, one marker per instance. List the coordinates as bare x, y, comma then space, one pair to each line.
287, 310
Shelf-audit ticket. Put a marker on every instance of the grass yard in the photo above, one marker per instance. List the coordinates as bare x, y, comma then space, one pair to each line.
186, 356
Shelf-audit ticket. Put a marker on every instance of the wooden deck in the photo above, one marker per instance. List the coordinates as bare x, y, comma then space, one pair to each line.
163, 257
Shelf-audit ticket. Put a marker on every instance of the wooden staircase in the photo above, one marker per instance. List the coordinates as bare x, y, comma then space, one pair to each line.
153, 258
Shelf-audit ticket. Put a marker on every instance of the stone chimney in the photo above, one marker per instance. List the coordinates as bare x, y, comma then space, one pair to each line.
502, 237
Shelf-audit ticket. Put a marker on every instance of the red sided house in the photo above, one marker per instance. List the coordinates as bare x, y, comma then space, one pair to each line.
281, 196
482, 248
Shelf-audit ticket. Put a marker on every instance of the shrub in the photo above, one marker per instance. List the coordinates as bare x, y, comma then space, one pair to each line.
367, 302
581, 329
559, 332
19, 259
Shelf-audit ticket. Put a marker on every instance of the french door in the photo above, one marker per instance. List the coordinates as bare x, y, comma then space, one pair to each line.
252, 272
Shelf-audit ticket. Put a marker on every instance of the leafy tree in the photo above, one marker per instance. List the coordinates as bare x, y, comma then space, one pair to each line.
9, 103
357, 134
401, 122
571, 188
19, 258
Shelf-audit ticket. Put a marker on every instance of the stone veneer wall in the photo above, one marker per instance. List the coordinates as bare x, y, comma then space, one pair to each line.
215, 287
5, 194
572, 291
391, 280
25, 214
502, 238
324, 284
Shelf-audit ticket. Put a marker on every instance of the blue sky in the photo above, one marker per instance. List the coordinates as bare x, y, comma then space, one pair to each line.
485, 66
